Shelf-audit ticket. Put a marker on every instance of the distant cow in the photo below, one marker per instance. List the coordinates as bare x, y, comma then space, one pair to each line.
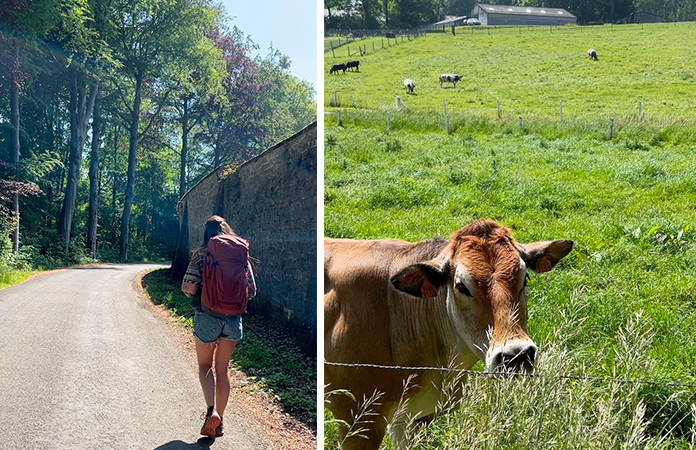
353, 64
592, 54
336, 67
450, 78
424, 304
409, 85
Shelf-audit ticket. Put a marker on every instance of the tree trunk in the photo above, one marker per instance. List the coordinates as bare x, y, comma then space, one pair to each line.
386, 13
132, 161
184, 148
80, 112
14, 143
113, 189
94, 179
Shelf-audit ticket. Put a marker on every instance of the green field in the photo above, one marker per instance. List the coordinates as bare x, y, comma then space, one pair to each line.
623, 303
529, 71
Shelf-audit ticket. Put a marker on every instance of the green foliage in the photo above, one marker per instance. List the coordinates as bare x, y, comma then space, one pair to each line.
288, 103
169, 47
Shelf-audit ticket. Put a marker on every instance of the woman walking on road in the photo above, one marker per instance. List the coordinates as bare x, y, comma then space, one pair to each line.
221, 273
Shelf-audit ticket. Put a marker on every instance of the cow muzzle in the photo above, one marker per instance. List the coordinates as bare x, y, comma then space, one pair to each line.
512, 357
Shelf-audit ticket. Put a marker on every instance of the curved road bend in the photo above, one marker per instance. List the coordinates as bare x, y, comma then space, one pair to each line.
85, 364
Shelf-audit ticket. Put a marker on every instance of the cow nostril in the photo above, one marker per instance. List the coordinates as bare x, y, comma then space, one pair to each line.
518, 360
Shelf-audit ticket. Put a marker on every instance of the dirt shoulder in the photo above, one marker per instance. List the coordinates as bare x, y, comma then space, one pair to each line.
285, 431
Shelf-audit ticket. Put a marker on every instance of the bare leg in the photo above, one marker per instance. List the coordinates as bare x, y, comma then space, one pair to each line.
204, 353
224, 352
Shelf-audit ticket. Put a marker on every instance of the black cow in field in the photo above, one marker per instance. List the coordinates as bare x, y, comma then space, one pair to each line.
336, 67
353, 64
592, 54
450, 78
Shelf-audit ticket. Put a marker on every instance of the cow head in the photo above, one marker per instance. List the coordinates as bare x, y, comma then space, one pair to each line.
483, 273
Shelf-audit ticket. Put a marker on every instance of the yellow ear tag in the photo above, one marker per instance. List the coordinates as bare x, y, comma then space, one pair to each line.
428, 290
543, 265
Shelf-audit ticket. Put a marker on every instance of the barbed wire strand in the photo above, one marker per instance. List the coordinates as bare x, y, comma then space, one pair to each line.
503, 375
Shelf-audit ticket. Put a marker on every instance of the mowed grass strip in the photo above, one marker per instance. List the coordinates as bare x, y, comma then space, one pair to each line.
529, 70
622, 304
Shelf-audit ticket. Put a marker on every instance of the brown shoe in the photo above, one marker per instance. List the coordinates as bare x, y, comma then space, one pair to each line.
211, 423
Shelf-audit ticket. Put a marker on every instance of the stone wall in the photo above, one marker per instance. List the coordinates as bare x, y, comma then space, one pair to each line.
270, 200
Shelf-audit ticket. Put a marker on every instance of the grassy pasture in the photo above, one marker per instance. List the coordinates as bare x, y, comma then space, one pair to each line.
623, 303
529, 71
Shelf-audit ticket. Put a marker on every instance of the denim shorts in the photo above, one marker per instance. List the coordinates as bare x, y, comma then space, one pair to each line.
208, 329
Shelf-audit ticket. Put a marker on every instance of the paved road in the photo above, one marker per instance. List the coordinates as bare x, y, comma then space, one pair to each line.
85, 364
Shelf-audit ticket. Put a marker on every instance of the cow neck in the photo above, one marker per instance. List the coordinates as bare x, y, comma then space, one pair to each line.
421, 328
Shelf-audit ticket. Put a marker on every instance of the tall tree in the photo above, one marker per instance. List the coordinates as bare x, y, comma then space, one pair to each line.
288, 104
14, 145
233, 121
92, 219
152, 39
24, 20
82, 100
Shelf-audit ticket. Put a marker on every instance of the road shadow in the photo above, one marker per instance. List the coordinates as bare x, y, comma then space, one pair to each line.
203, 443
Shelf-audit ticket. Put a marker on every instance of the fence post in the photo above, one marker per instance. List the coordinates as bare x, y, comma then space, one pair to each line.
444, 106
611, 127
352, 103
349, 51
497, 104
373, 46
338, 115
519, 122
447, 123
560, 106
334, 99
640, 110
388, 122
399, 105
382, 44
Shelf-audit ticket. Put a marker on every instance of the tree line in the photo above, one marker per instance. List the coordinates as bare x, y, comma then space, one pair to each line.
393, 14
111, 109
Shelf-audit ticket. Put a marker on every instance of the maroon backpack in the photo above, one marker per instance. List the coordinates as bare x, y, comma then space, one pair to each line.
226, 275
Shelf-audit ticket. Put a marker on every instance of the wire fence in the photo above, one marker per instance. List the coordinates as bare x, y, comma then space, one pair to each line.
337, 38
445, 121
506, 375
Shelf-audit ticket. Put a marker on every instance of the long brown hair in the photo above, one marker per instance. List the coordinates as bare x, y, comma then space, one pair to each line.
214, 226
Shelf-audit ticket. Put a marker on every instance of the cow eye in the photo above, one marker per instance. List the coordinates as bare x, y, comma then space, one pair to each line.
461, 287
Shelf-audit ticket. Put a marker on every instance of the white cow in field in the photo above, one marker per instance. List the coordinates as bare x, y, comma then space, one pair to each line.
409, 85
592, 54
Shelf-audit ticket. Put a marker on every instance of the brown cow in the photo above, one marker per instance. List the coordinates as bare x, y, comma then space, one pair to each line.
424, 304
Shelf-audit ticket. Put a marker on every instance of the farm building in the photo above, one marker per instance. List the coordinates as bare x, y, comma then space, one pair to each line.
645, 17
522, 15
448, 22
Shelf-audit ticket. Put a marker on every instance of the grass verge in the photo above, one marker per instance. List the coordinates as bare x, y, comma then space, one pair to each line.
268, 353
12, 277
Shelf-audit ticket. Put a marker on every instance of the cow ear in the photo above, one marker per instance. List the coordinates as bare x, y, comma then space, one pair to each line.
421, 280
543, 256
